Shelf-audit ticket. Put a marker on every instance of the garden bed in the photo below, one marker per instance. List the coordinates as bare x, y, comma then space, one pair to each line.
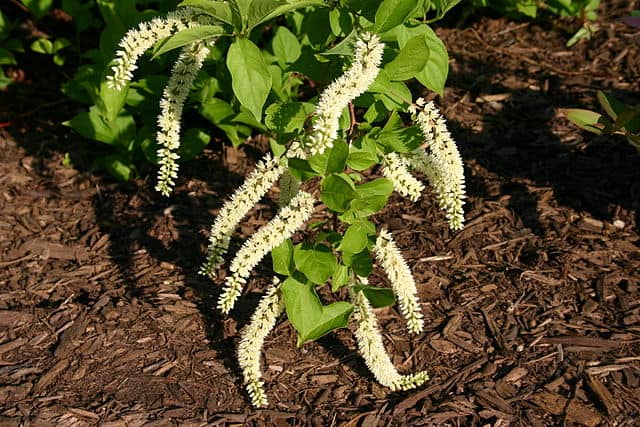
532, 310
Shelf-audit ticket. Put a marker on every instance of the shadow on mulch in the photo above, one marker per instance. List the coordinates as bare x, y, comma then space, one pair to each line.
517, 144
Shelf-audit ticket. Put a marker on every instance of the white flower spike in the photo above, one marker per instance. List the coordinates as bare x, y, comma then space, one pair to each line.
279, 229
372, 349
443, 165
137, 41
246, 196
397, 170
183, 74
252, 339
337, 96
402, 282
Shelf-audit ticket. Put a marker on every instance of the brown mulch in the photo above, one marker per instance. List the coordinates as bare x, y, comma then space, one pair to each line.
533, 310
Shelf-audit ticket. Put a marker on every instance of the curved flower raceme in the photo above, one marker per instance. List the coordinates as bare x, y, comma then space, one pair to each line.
397, 170
372, 349
280, 228
266, 173
443, 165
138, 40
252, 338
337, 96
183, 74
402, 282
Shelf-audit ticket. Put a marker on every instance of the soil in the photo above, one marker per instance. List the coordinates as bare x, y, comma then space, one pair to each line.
533, 310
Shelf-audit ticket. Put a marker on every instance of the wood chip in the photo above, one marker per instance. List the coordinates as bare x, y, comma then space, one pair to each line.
575, 411
48, 377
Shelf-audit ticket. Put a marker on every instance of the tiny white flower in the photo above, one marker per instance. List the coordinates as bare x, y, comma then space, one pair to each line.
443, 164
175, 93
279, 229
245, 197
402, 283
396, 169
137, 41
252, 339
337, 96
373, 352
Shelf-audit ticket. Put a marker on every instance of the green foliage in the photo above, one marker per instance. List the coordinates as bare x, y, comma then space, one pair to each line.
585, 10
260, 76
308, 315
47, 47
620, 119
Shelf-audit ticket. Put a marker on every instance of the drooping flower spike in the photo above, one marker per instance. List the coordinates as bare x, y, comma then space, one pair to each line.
279, 229
132, 47
255, 186
337, 96
443, 164
372, 349
175, 94
402, 283
138, 40
252, 339
396, 169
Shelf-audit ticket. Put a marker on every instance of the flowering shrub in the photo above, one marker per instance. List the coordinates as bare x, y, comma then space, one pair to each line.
383, 47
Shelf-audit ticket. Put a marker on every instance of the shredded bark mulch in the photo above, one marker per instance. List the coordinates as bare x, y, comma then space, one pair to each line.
533, 310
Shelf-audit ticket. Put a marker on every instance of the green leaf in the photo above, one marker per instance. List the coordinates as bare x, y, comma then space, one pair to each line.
376, 112
217, 9
341, 22
585, 119
221, 114
185, 37
287, 117
356, 237
282, 258
392, 13
611, 105
317, 262
6, 57
340, 277
306, 313
401, 140
301, 170
443, 6
39, 8
192, 143
332, 160
5, 27
372, 196
345, 47
362, 154
250, 77
264, 10
361, 263
410, 61
60, 44
118, 167
42, 46
434, 74
58, 59
382, 83
394, 137
337, 191
286, 46
92, 125
378, 297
